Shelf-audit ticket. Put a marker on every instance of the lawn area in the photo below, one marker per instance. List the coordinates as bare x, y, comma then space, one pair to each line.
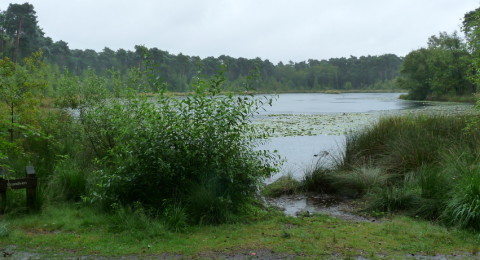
67, 231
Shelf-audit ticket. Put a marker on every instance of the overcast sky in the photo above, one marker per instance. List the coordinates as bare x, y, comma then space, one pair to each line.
278, 30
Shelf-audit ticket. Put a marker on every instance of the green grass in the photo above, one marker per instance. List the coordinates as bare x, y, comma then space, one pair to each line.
82, 231
401, 144
424, 166
285, 185
463, 205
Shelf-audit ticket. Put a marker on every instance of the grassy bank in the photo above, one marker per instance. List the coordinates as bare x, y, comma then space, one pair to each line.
63, 231
421, 166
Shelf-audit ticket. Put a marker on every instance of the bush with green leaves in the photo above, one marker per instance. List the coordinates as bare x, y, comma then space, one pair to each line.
198, 151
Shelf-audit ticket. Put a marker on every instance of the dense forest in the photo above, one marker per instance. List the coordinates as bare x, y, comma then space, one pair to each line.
20, 35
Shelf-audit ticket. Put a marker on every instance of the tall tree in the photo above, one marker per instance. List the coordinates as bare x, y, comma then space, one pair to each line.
471, 28
21, 26
3, 34
439, 70
20, 82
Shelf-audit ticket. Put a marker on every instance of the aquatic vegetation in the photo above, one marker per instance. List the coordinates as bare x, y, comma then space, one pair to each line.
343, 123
312, 125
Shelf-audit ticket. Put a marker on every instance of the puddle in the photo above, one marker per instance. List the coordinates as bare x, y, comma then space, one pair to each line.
296, 205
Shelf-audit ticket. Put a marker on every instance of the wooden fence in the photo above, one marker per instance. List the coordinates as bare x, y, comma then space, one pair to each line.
29, 183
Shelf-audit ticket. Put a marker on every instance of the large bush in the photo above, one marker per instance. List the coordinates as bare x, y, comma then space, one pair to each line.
195, 153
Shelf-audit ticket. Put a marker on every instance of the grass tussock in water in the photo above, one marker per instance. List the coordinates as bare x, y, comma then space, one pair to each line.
285, 185
423, 166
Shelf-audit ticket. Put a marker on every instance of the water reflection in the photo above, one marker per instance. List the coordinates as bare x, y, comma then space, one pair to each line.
300, 151
317, 103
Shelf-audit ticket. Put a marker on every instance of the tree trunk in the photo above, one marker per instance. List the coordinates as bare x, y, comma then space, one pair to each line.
17, 42
2, 46
12, 122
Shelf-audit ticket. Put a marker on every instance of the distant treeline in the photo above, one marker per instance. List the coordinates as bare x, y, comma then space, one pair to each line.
20, 35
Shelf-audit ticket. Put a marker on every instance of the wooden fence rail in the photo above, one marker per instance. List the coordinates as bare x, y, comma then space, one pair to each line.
29, 183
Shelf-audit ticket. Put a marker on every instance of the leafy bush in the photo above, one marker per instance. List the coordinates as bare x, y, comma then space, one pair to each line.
198, 150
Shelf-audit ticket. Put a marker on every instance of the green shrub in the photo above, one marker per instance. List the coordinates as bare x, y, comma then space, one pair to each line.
198, 149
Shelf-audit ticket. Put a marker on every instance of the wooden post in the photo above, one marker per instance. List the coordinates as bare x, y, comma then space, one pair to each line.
31, 187
29, 183
3, 191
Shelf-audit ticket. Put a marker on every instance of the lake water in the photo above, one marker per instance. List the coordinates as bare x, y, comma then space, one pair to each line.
311, 125
317, 103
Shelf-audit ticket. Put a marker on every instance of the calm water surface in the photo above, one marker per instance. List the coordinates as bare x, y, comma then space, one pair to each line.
302, 152
317, 103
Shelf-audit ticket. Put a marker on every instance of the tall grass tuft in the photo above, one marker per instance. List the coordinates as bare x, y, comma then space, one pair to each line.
320, 180
393, 198
432, 166
208, 204
135, 221
175, 217
434, 185
4, 229
360, 181
68, 182
285, 185
401, 144
463, 206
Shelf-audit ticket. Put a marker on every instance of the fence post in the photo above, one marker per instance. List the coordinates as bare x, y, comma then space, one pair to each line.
3, 191
31, 187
